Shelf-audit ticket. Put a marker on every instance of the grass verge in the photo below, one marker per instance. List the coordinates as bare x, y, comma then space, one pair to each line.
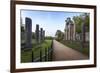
26, 56
77, 46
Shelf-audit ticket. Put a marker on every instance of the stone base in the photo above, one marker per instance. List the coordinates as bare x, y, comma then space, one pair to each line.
24, 46
28, 46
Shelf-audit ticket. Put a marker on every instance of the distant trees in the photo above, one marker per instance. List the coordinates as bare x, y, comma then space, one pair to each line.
87, 21
33, 35
22, 28
22, 34
49, 37
78, 21
59, 35
22, 25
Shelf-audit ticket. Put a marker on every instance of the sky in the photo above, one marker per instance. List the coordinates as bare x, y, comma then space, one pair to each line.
50, 21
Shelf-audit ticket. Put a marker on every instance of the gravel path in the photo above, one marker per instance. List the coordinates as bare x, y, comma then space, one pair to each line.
62, 52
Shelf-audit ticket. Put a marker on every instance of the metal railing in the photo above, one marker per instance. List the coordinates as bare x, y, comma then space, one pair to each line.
47, 56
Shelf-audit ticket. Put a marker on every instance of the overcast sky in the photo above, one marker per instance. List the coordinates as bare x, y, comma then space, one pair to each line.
50, 21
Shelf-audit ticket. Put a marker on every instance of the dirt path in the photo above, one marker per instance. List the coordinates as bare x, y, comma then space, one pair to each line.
61, 52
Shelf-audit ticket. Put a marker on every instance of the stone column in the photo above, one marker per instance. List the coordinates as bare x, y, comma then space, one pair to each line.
66, 30
69, 35
41, 34
66, 34
39, 37
28, 32
72, 31
83, 32
74, 35
37, 33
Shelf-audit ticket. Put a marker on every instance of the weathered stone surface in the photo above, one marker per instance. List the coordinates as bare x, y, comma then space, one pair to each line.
41, 34
28, 32
37, 33
69, 30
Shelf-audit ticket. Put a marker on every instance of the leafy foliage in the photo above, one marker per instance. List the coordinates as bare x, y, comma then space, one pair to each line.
49, 37
33, 35
78, 21
22, 29
59, 34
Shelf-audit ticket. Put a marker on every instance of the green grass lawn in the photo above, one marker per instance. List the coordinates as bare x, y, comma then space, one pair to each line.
77, 46
26, 56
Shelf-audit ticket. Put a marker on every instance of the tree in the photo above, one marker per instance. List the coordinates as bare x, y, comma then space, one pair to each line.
78, 22
85, 27
22, 29
33, 35
59, 35
49, 37
82, 23
87, 21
